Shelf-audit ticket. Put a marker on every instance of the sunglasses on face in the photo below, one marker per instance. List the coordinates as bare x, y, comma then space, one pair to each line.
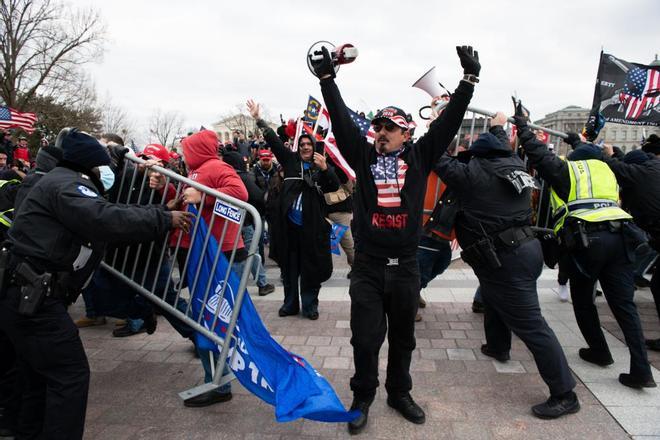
388, 126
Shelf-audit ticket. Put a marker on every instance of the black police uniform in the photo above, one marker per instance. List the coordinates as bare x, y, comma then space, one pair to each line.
607, 258
638, 175
494, 192
60, 229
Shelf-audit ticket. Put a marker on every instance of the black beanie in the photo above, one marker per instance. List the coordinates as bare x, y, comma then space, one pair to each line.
586, 152
636, 157
652, 144
234, 159
84, 150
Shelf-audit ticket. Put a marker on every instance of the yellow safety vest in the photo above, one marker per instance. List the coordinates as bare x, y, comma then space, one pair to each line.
593, 196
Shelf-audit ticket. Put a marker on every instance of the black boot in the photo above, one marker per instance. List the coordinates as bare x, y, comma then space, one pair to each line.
501, 356
557, 406
357, 425
636, 381
407, 407
601, 359
653, 344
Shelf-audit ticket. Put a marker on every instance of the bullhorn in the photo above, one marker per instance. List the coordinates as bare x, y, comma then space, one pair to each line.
430, 84
342, 54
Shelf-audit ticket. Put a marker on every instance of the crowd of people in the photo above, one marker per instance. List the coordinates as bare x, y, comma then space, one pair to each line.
409, 200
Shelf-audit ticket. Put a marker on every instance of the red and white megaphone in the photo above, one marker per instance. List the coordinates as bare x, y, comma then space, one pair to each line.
342, 54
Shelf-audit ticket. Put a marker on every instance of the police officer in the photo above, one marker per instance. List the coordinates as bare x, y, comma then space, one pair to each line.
594, 231
636, 173
55, 243
493, 228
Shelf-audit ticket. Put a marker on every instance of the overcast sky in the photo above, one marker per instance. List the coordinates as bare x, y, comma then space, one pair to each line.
202, 58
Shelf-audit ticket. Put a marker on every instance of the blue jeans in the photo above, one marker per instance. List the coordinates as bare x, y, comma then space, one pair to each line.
204, 355
257, 269
433, 257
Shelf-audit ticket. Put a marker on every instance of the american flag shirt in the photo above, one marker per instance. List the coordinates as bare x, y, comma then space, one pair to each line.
389, 174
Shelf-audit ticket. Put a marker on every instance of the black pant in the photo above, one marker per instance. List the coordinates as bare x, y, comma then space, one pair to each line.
9, 386
606, 260
296, 280
512, 305
383, 295
655, 287
54, 364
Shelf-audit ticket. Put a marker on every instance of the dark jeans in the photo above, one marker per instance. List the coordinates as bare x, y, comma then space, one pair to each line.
53, 361
296, 280
433, 256
383, 295
512, 305
606, 261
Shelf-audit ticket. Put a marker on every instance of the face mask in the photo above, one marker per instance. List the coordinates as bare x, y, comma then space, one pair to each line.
107, 177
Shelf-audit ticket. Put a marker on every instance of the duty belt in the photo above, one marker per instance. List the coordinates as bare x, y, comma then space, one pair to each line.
513, 237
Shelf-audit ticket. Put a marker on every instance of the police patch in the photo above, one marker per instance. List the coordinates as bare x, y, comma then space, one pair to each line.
82, 189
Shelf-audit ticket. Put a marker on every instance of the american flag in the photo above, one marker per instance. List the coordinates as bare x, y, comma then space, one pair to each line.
641, 91
364, 125
10, 118
390, 175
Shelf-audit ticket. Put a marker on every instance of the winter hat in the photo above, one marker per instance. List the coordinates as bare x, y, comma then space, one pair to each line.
636, 157
487, 143
586, 152
84, 150
234, 159
652, 144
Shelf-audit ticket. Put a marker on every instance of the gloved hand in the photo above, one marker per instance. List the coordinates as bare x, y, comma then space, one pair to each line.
573, 139
520, 118
324, 66
469, 60
117, 153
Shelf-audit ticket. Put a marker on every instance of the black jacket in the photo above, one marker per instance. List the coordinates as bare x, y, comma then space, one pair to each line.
64, 220
640, 189
549, 166
489, 202
317, 259
392, 231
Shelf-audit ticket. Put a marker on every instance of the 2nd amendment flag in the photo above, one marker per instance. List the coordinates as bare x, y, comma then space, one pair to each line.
627, 93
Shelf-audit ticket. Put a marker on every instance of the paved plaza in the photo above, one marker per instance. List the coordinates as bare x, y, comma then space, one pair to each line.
135, 381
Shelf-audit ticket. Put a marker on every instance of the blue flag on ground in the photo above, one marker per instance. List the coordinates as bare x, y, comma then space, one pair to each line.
261, 365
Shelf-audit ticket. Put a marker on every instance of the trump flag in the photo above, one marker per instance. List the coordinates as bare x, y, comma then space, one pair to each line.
261, 365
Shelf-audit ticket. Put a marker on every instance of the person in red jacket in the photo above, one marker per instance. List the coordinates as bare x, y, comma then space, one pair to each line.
200, 152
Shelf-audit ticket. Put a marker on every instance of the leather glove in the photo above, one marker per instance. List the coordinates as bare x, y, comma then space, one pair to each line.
520, 118
469, 60
573, 140
324, 66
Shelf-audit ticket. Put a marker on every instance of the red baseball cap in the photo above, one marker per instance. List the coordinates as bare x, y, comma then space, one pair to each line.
265, 154
156, 151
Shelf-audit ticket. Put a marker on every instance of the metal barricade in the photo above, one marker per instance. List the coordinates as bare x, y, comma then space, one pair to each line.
143, 265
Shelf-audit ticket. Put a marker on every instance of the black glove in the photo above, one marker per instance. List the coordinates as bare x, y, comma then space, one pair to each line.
324, 66
469, 60
573, 139
520, 118
618, 153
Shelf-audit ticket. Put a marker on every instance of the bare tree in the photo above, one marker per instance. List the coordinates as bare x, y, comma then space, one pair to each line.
240, 120
115, 119
166, 126
42, 46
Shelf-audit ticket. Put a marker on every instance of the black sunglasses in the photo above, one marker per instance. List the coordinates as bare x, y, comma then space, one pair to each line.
388, 126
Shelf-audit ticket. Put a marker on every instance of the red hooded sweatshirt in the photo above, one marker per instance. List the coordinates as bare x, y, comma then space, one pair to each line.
205, 167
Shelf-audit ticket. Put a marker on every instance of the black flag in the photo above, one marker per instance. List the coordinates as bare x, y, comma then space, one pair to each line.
627, 93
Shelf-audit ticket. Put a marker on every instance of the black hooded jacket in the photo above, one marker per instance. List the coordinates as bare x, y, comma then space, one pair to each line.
489, 202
